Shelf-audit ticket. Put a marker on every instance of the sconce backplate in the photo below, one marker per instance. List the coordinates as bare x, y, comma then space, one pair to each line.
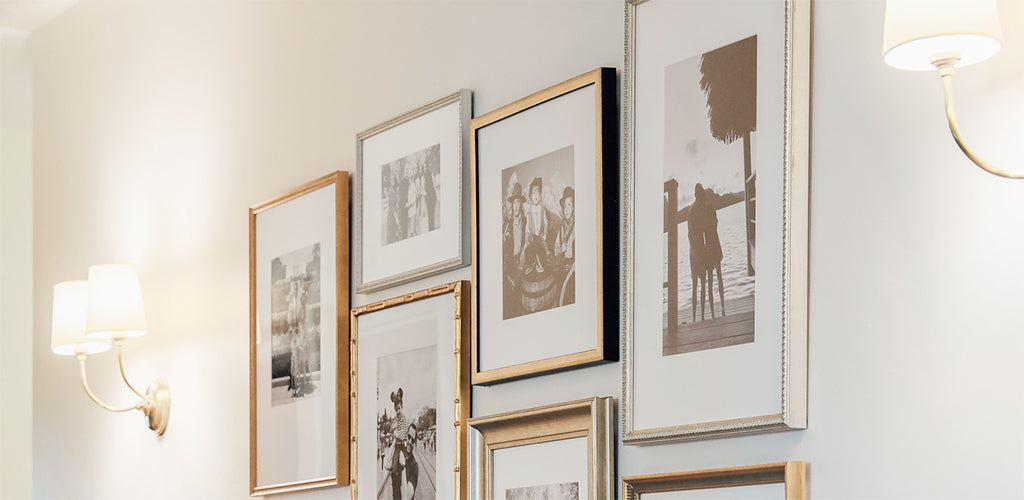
158, 406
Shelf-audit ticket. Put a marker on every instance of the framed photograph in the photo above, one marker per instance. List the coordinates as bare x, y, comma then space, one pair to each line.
409, 188
715, 189
298, 357
545, 207
411, 395
562, 451
781, 481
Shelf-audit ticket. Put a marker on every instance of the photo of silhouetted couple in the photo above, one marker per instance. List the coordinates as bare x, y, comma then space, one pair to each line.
710, 199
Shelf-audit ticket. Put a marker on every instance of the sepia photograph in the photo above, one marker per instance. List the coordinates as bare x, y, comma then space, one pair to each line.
295, 325
710, 192
539, 234
410, 195
407, 425
564, 491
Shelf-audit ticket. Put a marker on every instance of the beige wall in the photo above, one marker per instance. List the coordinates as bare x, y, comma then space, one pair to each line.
15, 264
158, 123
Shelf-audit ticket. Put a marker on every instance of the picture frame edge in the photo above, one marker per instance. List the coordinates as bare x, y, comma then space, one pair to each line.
607, 145
600, 435
340, 179
463, 392
796, 171
464, 98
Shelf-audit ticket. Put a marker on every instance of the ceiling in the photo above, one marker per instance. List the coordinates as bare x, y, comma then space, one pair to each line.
28, 15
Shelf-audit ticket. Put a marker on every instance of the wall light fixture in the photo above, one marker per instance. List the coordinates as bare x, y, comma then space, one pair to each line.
89, 316
926, 35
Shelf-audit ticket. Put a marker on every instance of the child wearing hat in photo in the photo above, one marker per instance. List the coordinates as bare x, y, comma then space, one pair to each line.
400, 430
535, 255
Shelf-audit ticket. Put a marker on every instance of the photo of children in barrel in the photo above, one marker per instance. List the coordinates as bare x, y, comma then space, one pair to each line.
710, 194
407, 425
295, 325
563, 491
539, 234
411, 195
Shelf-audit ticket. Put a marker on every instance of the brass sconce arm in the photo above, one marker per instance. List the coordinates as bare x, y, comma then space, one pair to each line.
155, 403
85, 385
945, 67
119, 344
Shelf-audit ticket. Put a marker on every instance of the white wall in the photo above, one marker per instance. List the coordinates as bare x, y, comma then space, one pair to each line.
15, 264
158, 123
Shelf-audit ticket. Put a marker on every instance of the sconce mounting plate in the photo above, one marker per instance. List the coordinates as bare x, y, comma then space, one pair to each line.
158, 406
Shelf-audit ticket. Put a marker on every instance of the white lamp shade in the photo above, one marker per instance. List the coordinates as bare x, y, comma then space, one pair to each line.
918, 32
115, 303
67, 333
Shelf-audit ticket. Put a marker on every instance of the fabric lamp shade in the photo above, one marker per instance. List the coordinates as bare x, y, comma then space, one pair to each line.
115, 303
67, 333
918, 32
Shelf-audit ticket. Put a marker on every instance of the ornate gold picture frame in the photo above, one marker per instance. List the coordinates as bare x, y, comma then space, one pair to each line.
554, 451
410, 394
792, 474
298, 354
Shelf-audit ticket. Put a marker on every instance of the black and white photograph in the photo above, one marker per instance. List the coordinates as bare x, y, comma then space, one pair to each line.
295, 325
710, 193
410, 195
539, 234
407, 425
563, 491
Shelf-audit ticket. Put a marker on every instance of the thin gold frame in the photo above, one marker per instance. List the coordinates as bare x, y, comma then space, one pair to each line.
792, 400
607, 235
341, 232
591, 418
792, 474
463, 393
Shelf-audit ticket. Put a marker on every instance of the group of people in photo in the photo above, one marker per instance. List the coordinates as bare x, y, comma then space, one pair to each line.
398, 437
539, 250
411, 204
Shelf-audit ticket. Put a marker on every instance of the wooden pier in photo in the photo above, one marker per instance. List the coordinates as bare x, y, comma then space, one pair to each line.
735, 328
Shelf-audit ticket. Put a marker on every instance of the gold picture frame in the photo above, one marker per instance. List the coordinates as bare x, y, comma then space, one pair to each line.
431, 440
323, 206
792, 474
590, 418
565, 139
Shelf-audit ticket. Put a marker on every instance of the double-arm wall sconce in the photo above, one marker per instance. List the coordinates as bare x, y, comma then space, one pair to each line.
941, 35
89, 316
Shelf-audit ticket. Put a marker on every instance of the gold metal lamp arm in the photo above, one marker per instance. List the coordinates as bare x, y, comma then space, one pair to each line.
85, 385
945, 67
119, 344
155, 404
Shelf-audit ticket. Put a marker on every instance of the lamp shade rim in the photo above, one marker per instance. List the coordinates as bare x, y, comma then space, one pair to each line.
72, 348
109, 334
919, 52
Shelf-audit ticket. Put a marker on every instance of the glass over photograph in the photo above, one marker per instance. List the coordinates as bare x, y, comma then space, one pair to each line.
295, 325
407, 425
410, 195
564, 491
710, 193
539, 234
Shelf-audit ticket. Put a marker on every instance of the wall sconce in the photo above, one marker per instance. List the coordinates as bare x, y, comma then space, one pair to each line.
90, 315
925, 35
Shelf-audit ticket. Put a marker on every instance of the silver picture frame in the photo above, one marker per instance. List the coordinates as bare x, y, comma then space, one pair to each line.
591, 418
791, 399
460, 252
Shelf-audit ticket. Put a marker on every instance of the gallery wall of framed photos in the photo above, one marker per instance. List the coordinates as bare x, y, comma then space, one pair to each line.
135, 164
726, 118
